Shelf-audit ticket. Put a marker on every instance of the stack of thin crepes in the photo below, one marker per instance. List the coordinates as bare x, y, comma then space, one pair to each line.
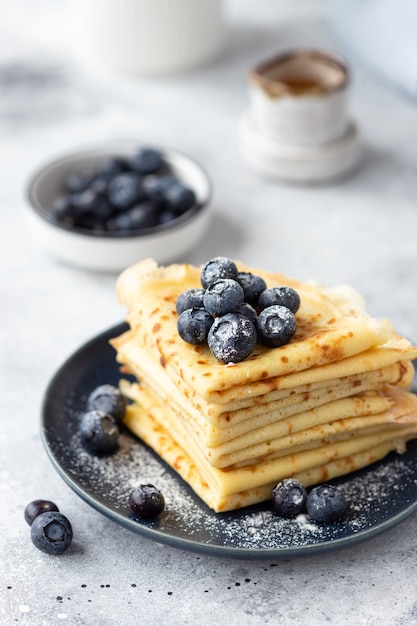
331, 401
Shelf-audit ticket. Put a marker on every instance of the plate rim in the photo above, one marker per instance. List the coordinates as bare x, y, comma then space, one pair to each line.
188, 544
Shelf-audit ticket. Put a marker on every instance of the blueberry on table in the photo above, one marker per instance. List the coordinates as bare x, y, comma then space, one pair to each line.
36, 507
289, 497
146, 161
326, 503
108, 399
253, 286
223, 296
284, 296
125, 190
232, 338
193, 325
189, 299
217, 268
276, 326
51, 532
146, 501
99, 432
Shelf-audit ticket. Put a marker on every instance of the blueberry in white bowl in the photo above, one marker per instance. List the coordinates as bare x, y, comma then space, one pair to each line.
108, 206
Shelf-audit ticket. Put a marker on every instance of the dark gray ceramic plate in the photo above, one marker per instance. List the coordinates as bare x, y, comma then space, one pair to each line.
380, 496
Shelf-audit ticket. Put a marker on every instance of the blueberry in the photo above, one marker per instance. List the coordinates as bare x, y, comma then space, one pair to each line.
180, 198
193, 325
61, 210
51, 532
146, 501
146, 161
102, 209
232, 338
189, 299
217, 268
284, 296
248, 311
125, 190
99, 186
36, 507
253, 286
110, 167
99, 431
289, 497
223, 296
166, 216
77, 183
156, 187
144, 215
83, 202
276, 326
108, 399
326, 503
119, 223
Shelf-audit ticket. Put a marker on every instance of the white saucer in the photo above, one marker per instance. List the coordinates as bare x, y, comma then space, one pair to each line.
300, 164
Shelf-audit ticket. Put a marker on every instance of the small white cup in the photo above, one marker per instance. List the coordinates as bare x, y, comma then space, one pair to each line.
145, 37
300, 98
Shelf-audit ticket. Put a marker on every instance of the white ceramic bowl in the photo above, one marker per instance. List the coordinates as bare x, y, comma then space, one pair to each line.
107, 251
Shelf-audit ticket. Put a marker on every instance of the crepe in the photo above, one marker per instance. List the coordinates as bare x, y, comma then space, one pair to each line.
332, 400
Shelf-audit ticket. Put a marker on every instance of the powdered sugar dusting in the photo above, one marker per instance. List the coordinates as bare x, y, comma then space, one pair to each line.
108, 481
376, 495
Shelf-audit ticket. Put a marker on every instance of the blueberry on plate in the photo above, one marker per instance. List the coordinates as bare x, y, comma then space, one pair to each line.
253, 286
99, 432
217, 268
276, 326
190, 299
193, 325
232, 338
51, 532
289, 497
146, 161
36, 507
223, 296
326, 503
108, 399
125, 190
284, 296
146, 501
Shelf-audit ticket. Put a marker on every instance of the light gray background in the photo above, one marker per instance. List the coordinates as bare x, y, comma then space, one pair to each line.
361, 231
